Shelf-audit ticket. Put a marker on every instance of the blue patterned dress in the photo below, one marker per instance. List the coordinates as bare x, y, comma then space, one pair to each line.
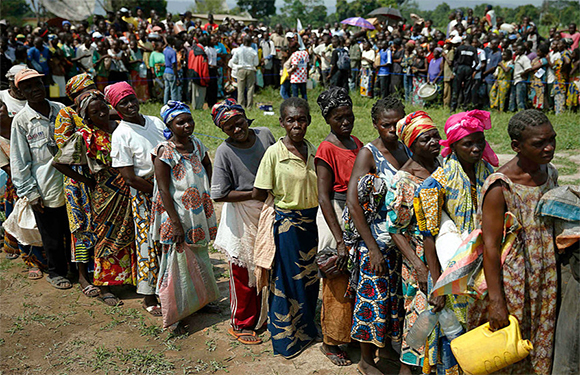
378, 311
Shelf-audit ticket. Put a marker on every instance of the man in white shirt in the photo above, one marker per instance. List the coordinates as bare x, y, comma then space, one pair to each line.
522, 66
245, 59
12, 97
84, 55
32, 148
324, 54
268, 54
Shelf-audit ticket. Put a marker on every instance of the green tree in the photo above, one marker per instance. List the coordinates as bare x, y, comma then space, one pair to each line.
258, 8
15, 10
160, 6
208, 6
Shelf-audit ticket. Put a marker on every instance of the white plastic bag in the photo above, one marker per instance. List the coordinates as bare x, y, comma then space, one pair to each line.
448, 240
22, 225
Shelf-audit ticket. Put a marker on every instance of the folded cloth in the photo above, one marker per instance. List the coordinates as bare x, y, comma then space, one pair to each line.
265, 247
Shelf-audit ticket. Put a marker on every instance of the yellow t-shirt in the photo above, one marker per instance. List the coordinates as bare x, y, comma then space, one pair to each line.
291, 181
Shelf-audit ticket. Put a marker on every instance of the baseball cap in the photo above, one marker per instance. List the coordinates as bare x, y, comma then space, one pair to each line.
456, 39
26, 74
14, 70
97, 35
290, 34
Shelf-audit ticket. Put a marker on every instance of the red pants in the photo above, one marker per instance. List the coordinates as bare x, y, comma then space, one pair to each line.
245, 302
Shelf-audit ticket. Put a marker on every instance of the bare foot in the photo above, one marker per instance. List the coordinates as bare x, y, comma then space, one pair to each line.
405, 370
366, 368
336, 355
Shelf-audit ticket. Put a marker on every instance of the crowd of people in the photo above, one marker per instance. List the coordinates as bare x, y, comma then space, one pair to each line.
122, 198
477, 62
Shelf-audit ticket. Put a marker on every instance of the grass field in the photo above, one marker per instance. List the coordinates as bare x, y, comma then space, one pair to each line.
566, 125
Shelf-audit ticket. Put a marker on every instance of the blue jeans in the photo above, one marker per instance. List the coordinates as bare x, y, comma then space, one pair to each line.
301, 87
170, 92
408, 85
518, 96
285, 90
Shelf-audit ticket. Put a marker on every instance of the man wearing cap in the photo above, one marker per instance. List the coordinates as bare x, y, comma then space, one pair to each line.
448, 56
12, 97
464, 62
32, 147
279, 42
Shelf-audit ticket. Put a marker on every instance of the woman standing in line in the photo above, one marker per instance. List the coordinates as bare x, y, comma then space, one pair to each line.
131, 144
235, 166
375, 281
287, 171
334, 161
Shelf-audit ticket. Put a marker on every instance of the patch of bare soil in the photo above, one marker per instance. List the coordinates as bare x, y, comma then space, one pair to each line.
48, 331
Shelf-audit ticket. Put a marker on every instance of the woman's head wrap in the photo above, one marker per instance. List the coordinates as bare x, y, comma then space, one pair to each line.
461, 125
77, 84
117, 91
82, 101
410, 127
333, 98
171, 110
222, 112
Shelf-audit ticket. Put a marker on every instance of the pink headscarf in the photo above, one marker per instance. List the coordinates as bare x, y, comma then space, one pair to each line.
461, 125
116, 92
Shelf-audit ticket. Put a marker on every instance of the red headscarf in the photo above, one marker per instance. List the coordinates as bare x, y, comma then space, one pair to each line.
116, 92
413, 125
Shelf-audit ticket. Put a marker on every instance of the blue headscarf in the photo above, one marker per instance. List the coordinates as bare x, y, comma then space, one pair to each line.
169, 111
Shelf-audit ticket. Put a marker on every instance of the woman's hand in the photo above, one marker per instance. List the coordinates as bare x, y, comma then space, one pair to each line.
178, 233
438, 303
422, 277
498, 314
378, 266
342, 261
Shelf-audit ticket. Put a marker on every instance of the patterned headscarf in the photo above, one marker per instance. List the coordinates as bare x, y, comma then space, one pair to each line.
77, 84
116, 92
333, 98
82, 101
222, 112
410, 127
172, 109
460, 125
169, 111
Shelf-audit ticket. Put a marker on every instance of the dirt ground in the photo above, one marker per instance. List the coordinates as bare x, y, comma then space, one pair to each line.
48, 331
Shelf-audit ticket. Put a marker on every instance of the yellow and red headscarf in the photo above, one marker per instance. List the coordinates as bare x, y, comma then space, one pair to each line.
410, 127
78, 83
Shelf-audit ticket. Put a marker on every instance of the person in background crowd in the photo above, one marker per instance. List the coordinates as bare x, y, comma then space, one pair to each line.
367, 74
384, 68
170, 83
500, 90
339, 65
12, 97
245, 60
299, 73
464, 62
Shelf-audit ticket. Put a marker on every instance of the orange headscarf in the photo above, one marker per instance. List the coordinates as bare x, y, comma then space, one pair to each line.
413, 125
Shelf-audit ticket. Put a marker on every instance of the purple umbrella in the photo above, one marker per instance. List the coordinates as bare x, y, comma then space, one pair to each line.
358, 21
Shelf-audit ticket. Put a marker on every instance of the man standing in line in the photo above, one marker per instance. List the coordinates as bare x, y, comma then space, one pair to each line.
32, 148
465, 61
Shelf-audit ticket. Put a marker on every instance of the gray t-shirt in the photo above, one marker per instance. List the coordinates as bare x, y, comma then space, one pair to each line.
235, 168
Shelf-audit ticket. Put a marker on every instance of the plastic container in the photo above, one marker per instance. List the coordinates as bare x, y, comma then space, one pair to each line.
417, 336
143, 70
482, 351
450, 325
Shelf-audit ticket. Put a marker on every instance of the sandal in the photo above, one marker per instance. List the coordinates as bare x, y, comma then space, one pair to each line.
110, 299
239, 337
336, 357
154, 310
35, 274
11, 256
59, 282
90, 291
